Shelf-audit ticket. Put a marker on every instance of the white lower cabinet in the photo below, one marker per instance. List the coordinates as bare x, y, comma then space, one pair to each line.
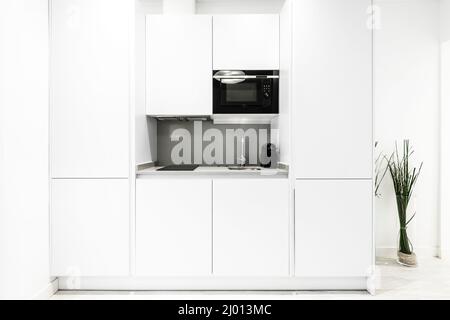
333, 228
173, 227
90, 227
251, 227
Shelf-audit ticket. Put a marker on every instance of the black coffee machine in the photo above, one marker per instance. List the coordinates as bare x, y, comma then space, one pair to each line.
268, 157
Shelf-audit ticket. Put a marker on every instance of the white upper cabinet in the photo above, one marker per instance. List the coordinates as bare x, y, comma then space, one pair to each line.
251, 227
179, 65
246, 42
332, 89
90, 96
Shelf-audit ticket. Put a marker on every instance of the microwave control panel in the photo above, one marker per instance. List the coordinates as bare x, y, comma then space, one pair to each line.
267, 88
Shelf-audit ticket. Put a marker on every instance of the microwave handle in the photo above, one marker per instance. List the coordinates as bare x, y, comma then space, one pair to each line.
235, 77
240, 79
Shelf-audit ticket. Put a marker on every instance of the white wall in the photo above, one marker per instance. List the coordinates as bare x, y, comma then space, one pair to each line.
406, 80
445, 20
445, 128
24, 204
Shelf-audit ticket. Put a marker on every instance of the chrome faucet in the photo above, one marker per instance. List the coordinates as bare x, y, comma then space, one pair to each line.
242, 159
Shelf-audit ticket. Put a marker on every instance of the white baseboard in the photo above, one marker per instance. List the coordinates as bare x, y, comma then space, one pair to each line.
47, 292
208, 284
426, 252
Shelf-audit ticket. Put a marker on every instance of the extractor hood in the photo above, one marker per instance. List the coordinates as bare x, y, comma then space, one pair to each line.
182, 118
243, 118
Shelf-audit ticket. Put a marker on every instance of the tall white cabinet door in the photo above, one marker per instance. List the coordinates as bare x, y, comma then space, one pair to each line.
179, 65
333, 228
332, 89
251, 227
90, 88
246, 42
90, 227
173, 227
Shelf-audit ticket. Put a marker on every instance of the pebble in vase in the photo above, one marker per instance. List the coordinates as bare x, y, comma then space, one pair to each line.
408, 260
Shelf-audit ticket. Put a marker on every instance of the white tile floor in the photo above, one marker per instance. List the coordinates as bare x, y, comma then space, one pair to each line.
431, 280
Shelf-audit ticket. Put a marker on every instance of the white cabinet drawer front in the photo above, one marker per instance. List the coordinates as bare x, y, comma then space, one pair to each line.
333, 228
90, 88
251, 228
90, 227
246, 42
173, 227
332, 89
179, 65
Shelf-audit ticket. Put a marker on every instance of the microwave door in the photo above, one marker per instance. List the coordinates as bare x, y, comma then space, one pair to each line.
245, 93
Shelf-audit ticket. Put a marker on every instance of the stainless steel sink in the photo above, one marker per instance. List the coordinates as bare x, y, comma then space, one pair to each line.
243, 168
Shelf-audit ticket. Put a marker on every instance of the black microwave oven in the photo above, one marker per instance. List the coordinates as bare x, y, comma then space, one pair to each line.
246, 92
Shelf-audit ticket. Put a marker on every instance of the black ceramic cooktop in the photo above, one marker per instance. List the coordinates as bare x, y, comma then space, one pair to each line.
179, 168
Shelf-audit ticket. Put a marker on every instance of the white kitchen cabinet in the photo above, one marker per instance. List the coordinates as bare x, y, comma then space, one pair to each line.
333, 228
90, 81
179, 65
90, 227
332, 89
251, 227
173, 227
246, 42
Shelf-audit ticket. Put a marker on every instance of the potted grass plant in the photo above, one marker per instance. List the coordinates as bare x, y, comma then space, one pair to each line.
380, 171
404, 178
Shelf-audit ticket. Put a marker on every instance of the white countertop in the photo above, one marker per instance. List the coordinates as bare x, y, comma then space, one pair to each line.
216, 171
